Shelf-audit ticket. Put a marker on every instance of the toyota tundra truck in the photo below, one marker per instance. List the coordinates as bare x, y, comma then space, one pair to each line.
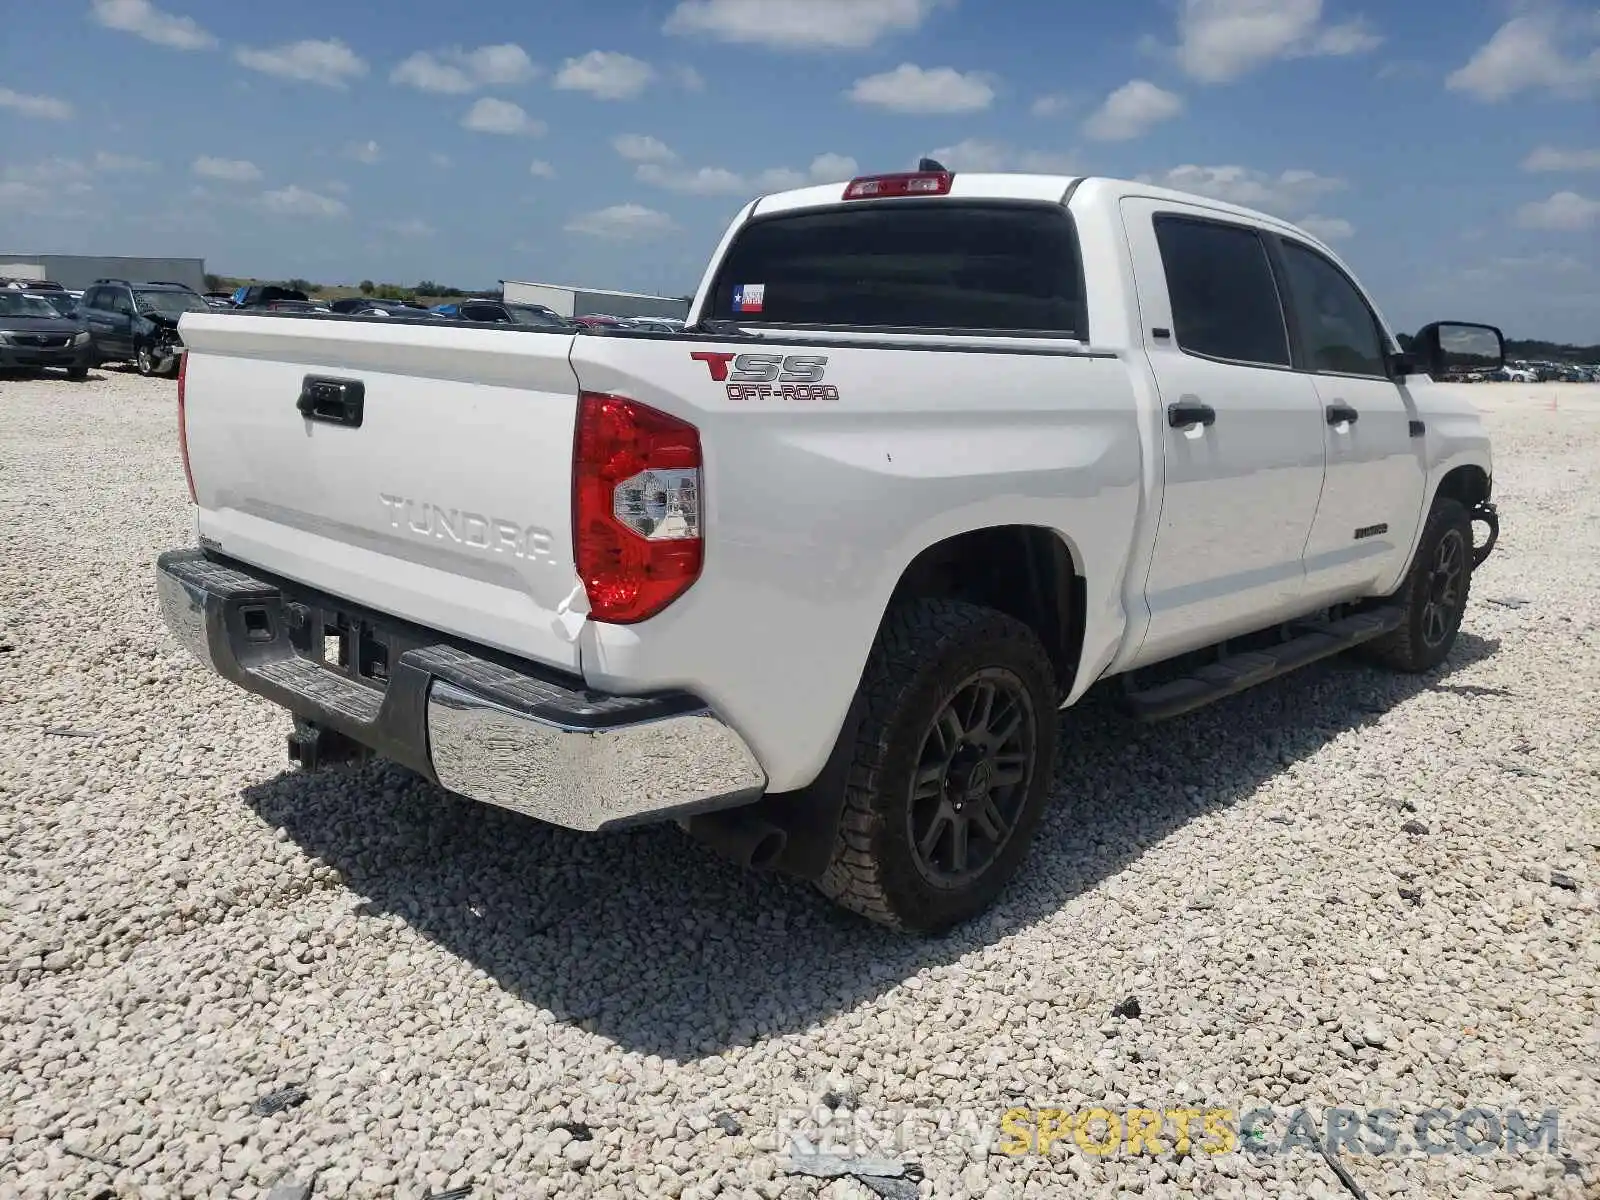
935, 454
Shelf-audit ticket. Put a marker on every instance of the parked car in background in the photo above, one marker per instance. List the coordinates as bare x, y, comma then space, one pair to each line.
498, 312
64, 302
658, 324
218, 299
33, 334
259, 295
138, 323
374, 304
599, 321
17, 283
310, 306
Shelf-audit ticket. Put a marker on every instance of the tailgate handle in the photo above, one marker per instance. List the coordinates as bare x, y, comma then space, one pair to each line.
336, 401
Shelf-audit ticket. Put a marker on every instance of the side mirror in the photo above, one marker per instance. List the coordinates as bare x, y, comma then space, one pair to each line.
1447, 349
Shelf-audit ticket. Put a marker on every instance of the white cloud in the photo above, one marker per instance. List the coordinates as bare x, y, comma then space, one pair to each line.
1052, 105
697, 181
689, 79
48, 171
1286, 194
143, 19
58, 171
1564, 212
606, 75
639, 147
913, 89
1551, 158
409, 227
329, 63
296, 201
500, 65
978, 154
825, 168
1548, 51
1220, 40
800, 24
540, 169
367, 152
489, 115
720, 181
121, 163
46, 108
457, 71
1131, 111
18, 195
1329, 229
622, 222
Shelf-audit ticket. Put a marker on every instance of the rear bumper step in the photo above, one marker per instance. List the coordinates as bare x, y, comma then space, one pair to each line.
493, 728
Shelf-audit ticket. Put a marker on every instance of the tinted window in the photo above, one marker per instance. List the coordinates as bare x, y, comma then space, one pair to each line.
173, 303
1337, 328
526, 314
91, 298
482, 312
121, 301
1224, 301
938, 265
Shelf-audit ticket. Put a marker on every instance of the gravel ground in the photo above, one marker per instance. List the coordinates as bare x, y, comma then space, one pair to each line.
1344, 890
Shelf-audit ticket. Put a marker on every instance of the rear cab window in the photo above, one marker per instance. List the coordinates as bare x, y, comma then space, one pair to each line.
1224, 296
920, 265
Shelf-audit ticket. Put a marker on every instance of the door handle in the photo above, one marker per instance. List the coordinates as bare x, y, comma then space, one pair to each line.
335, 401
1190, 412
1338, 414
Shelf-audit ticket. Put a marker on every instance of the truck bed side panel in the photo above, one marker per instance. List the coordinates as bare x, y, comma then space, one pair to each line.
814, 508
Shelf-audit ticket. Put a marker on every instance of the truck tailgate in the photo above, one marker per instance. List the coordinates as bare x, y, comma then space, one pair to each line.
446, 501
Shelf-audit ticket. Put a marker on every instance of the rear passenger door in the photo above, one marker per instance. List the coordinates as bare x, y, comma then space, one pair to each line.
1373, 495
1241, 429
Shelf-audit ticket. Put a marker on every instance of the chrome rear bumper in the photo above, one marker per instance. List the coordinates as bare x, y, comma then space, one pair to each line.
492, 728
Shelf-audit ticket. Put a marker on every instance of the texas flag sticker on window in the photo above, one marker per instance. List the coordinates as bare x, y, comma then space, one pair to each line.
749, 297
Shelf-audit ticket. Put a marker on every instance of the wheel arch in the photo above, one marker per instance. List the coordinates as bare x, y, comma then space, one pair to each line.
1026, 571
1469, 483
983, 566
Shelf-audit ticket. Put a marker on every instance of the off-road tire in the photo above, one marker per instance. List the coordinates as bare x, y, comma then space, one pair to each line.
925, 652
1409, 647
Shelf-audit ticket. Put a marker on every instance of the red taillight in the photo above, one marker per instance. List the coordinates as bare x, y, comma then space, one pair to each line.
925, 183
183, 423
636, 507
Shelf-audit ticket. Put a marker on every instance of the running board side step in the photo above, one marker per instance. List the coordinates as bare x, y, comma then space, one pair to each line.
1234, 673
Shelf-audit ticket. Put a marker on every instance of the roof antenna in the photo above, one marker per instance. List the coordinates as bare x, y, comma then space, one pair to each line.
932, 164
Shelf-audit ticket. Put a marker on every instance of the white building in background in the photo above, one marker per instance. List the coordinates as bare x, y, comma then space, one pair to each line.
78, 271
585, 302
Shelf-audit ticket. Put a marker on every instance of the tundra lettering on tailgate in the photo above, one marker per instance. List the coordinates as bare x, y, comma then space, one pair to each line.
768, 376
494, 534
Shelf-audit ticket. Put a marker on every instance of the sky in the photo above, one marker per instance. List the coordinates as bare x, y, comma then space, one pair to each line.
1449, 149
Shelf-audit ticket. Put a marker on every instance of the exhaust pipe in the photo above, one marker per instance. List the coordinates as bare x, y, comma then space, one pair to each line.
740, 836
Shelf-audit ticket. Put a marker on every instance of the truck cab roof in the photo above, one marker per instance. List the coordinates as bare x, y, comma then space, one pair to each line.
1015, 186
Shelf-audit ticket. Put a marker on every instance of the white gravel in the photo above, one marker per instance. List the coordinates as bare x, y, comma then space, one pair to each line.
185, 926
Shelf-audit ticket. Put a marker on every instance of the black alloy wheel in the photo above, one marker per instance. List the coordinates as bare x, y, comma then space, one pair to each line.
972, 778
1441, 609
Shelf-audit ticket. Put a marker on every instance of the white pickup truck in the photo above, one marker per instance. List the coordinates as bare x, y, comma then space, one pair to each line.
935, 454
